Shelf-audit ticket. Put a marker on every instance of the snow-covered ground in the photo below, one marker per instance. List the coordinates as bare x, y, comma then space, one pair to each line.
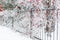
8, 34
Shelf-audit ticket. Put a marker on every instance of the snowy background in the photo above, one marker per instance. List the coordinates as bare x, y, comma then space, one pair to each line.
21, 22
